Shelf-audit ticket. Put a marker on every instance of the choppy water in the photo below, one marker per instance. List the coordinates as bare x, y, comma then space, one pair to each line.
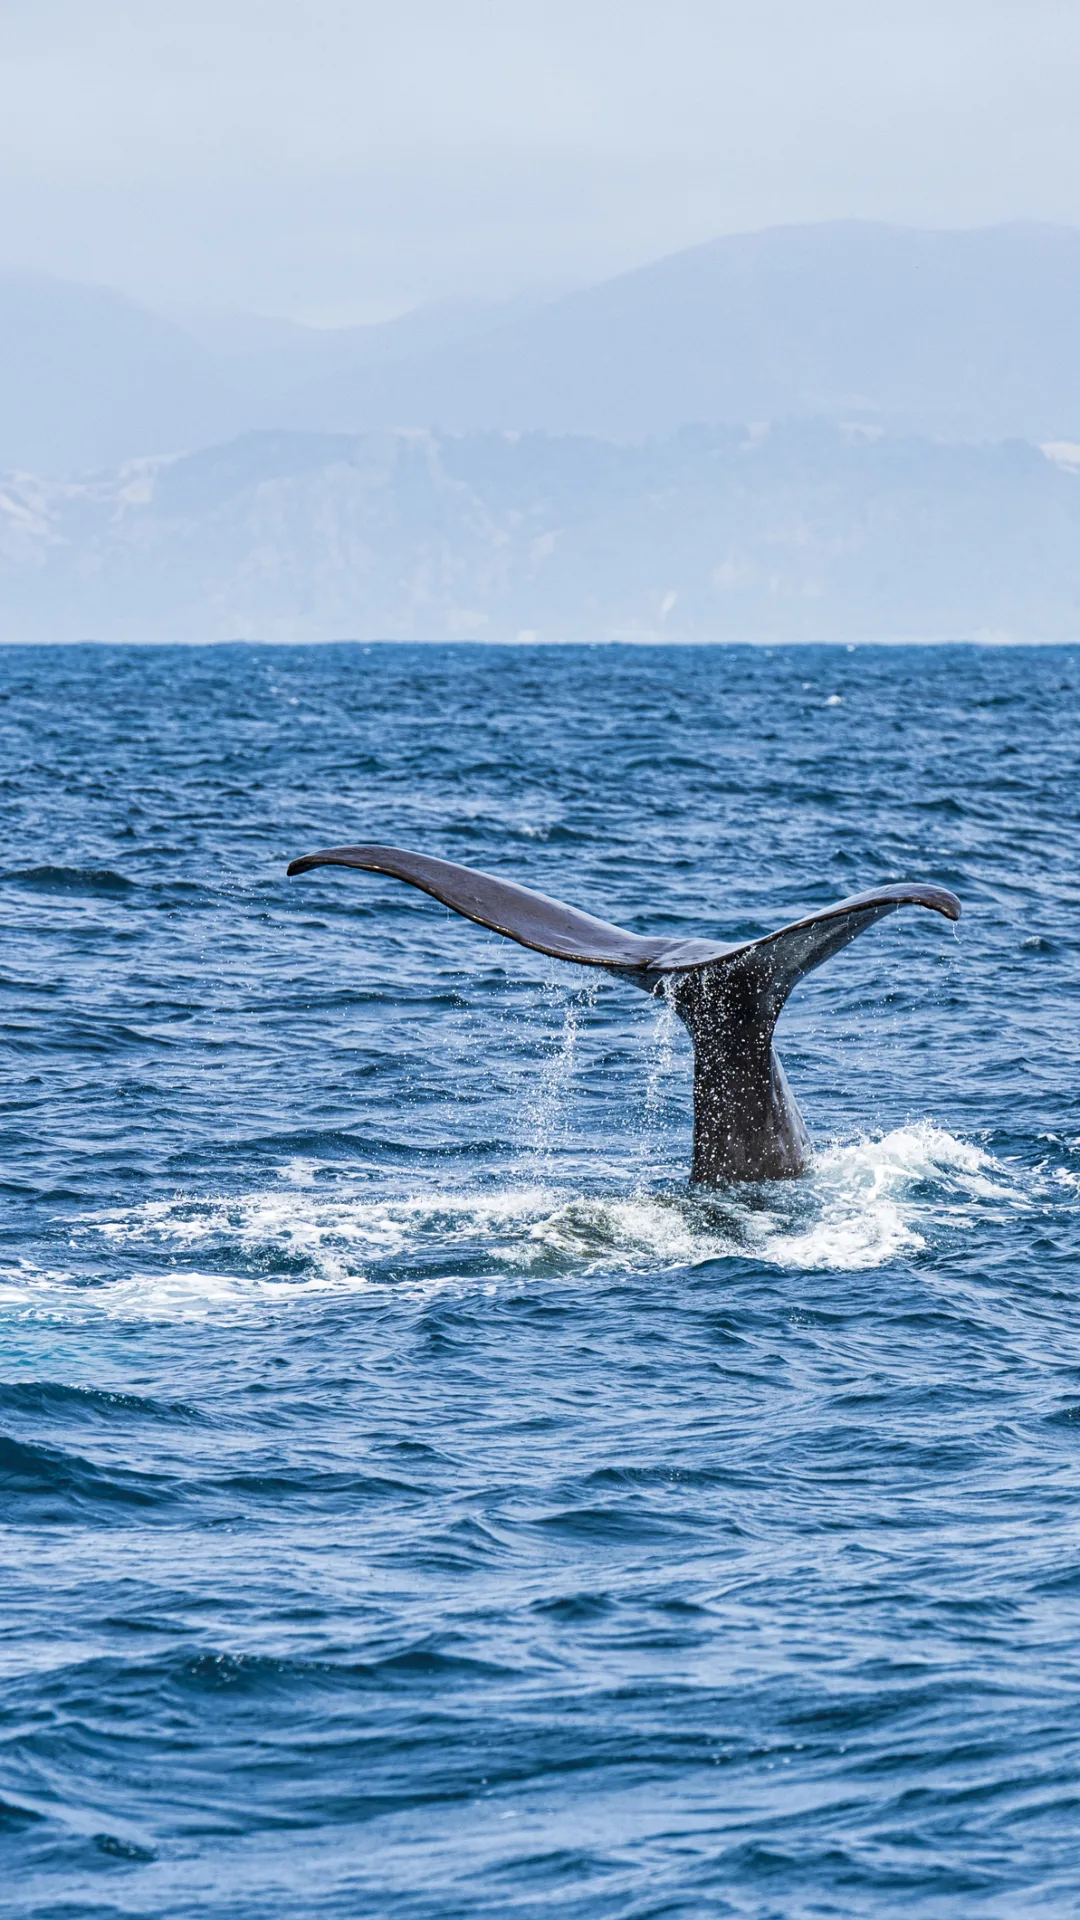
414, 1500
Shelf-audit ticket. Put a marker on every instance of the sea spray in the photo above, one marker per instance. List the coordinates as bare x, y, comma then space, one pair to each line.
548, 1105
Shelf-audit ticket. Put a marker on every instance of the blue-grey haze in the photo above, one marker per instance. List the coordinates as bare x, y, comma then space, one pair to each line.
966, 335
346, 159
840, 431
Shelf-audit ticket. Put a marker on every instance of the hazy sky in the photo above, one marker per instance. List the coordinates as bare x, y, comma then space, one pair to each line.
334, 159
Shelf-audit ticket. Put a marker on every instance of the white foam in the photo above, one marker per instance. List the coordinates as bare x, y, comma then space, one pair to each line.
873, 1199
314, 1232
181, 1294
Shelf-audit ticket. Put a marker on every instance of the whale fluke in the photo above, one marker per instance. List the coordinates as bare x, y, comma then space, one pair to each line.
547, 926
747, 1125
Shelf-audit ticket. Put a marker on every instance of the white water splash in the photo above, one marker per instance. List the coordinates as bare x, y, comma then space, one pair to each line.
873, 1199
863, 1204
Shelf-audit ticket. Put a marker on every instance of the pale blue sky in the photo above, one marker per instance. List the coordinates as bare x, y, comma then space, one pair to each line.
336, 160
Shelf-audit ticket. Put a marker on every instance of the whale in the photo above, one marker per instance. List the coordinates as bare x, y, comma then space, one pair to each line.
729, 995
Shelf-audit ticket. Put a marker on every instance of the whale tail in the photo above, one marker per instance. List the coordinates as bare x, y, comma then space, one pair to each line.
747, 1125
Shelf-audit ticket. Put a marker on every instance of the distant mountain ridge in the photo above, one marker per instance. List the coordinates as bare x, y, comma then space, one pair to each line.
89, 378
970, 335
801, 532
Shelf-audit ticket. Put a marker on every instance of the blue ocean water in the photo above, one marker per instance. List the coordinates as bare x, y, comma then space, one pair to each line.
415, 1500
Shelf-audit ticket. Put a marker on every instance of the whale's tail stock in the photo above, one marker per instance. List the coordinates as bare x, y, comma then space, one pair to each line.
747, 1125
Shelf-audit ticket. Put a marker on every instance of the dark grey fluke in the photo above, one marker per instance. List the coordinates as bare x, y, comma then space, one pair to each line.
746, 1123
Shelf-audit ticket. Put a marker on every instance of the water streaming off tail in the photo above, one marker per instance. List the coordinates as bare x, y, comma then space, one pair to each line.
548, 1096
669, 1079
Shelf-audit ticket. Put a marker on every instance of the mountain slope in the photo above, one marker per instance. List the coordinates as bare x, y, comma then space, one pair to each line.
804, 532
88, 378
964, 335
974, 335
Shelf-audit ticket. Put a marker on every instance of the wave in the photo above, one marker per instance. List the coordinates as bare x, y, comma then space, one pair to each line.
92, 880
46, 1484
56, 1401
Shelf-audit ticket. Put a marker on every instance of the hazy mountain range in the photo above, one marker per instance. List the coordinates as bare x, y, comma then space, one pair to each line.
810, 432
969, 335
795, 532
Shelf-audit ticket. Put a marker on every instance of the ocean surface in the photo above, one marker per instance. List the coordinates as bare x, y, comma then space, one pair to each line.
415, 1500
